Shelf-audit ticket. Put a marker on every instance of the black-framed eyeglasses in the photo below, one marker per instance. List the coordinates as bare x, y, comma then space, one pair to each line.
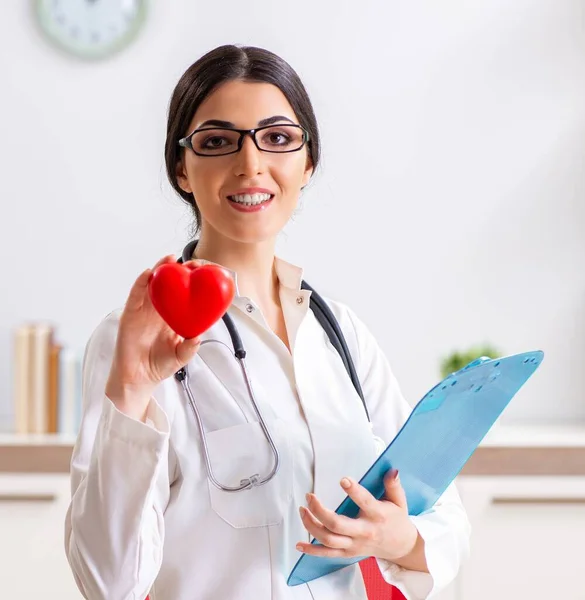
218, 141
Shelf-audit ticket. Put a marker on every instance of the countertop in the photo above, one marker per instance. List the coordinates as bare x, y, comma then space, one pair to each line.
506, 450
530, 450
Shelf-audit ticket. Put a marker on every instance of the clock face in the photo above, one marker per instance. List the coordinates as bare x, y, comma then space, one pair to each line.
91, 28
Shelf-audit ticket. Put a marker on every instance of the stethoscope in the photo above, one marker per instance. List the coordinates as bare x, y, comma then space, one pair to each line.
182, 375
326, 319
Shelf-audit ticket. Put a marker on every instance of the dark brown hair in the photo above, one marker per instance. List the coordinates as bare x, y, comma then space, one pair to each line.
223, 64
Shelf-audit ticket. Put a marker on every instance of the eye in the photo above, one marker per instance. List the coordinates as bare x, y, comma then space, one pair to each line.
214, 142
278, 137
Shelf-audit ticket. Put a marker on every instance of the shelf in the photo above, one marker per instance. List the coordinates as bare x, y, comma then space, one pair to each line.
506, 450
33, 439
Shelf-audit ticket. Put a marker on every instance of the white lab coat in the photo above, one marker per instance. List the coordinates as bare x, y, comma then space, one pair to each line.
144, 518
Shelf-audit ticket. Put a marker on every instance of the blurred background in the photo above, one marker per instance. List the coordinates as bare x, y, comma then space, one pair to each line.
448, 213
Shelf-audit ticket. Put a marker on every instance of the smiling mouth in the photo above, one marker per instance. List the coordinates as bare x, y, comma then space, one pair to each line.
250, 199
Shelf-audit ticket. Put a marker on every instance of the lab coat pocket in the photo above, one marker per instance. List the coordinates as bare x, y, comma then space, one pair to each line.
238, 452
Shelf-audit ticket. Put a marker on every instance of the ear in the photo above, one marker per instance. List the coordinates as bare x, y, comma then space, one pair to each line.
181, 175
308, 172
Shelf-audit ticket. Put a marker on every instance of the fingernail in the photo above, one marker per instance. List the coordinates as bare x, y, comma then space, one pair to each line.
302, 511
345, 483
299, 548
308, 498
394, 474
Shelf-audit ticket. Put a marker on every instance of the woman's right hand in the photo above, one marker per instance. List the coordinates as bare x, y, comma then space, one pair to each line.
147, 350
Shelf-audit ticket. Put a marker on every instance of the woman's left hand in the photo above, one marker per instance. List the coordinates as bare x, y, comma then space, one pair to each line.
382, 529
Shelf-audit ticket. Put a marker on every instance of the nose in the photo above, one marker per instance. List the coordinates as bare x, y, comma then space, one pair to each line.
250, 161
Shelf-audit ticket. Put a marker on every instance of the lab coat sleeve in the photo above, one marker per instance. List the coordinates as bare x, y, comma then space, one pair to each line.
444, 528
114, 527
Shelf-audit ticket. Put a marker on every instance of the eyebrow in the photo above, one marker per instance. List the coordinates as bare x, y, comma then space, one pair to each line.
230, 125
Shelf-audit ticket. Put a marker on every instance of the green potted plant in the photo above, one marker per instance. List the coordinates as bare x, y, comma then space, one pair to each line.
459, 359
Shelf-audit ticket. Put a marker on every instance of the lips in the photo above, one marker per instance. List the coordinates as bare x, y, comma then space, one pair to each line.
246, 205
250, 191
250, 199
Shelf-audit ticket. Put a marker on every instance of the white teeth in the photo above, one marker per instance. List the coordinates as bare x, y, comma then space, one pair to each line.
250, 199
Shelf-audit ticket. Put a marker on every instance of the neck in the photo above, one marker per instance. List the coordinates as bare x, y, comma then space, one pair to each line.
253, 262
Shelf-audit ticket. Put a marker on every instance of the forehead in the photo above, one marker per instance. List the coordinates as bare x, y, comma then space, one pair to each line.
244, 104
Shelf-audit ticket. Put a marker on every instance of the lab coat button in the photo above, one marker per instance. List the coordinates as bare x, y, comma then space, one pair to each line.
300, 299
249, 308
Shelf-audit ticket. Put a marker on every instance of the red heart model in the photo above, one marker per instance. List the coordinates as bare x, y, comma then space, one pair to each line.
191, 300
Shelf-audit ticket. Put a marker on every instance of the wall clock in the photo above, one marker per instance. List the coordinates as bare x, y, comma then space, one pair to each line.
91, 29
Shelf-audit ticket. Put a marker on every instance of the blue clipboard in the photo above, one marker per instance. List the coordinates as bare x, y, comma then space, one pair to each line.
440, 435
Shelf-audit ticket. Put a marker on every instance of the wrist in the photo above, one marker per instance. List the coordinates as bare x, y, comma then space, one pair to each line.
412, 554
411, 539
131, 399
404, 544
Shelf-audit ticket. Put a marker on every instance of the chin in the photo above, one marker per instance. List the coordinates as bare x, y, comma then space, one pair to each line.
256, 235
248, 236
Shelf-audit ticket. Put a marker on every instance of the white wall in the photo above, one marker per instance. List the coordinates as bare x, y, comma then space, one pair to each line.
449, 209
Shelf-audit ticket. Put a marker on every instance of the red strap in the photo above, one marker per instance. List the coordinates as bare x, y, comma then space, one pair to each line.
376, 586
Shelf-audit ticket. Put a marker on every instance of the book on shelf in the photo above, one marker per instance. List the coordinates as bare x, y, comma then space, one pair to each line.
47, 382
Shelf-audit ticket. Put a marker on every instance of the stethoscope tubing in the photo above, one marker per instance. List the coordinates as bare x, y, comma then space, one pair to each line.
183, 377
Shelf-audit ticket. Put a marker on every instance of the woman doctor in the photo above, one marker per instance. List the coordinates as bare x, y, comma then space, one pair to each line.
144, 518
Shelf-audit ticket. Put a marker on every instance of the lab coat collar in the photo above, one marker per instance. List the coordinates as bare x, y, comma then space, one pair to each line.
289, 276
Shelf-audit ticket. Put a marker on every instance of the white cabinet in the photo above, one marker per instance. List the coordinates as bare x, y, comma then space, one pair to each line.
528, 536
33, 565
527, 540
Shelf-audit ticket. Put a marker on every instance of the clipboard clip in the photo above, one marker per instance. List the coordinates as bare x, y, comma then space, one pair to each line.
474, 363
